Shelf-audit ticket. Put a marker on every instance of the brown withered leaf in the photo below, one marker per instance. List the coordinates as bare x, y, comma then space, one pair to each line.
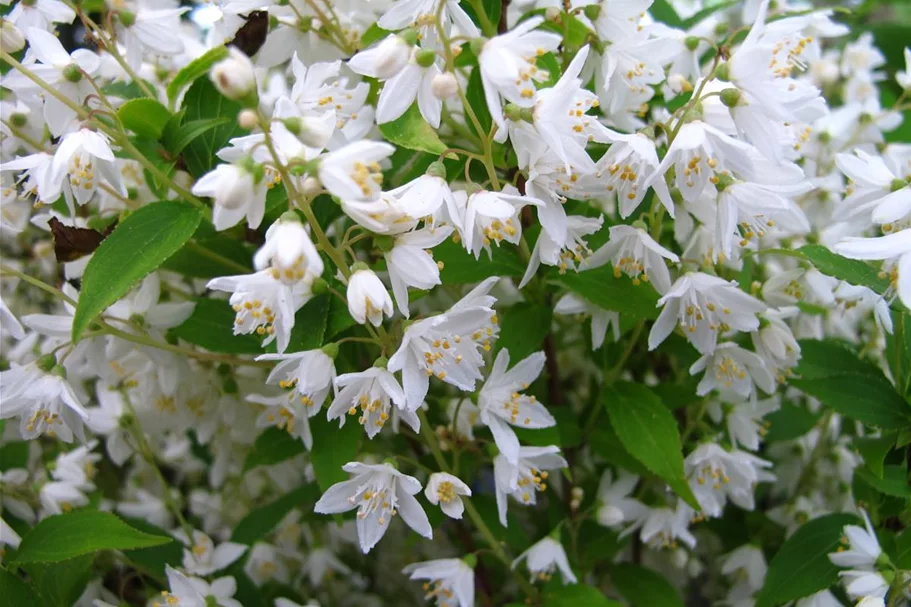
252, 34
71, 243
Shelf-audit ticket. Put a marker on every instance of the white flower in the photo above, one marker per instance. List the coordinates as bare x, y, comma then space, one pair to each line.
423, 196
82, 157
384, 60
444, 489
863, 550
379, 492
236, 193
629, 168
615, 505
602, 319
44, 402
265, 564
370, 395
705, 306
663, 527
405, 82
321, 562
65, 72
745, 420
543, 558
449, 579
41, 14
221, 590
775, 343
8, 535
233, 76
716, 476
57, 497
572, 252
525, 478
502, 404
310, 373
903, 78
11, 38
9, 322
149, 31
894, 247
492, 217
264, 304
634, 252
289, 252
182, 594
507, 67
749, 560
731, 370
862, 583
410, 263
447, 345
201, 557
368, 298
874, 186
353, 172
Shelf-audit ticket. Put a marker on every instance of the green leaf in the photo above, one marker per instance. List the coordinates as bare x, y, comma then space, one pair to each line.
193, 70
66, 536
474, 93
790, 422
411, 131
260, 521
644, 587
333, 447
14, 592
523, 328
372, 34
491, 8
310, 324
662, 11
61, 584
874, 451
179, 135
339, 319
272, 447
898, 351
601, 288
137, 246
605, 443
802, 566
851, 386
145, 117
211, 256
894, 481
14, 454
707, 12
649, 433
211, 326
902, 556
853, 271
204, 102
460, 266
152, 560
578, 595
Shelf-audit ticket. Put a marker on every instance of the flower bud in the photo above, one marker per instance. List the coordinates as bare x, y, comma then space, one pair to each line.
368, 298
436, 169
126, 18
722, 72
311, 187
330, 350
392, 55
11, 39
425, 57
247, 119
730, 97
679, 84
234, 77
552, 13
592, 11
72, 73
443, 86
691, 43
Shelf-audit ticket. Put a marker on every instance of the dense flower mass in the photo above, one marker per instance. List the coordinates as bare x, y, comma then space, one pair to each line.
455, 302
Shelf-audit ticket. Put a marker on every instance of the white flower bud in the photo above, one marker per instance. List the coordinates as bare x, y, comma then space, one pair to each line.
444, 86
289, 251
368, 298
247, 119
552, 13
11, 39
232, 186
311, 186
233, 76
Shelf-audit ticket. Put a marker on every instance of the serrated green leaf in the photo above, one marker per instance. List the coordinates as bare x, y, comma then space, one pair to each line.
260, 521
601, 288
273, 446
333, 447
59, 538
193, 70
866, 399
649, 433
61, 584
211, 326
523, 328
15, 592
310, 324
137, 246
211, 256
853, 271
152, 560
460, 266
789, 422
644, 587
204, 102
145, 117
801, 567
411, 131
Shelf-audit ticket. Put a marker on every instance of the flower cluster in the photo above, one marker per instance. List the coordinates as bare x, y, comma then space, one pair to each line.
635, 275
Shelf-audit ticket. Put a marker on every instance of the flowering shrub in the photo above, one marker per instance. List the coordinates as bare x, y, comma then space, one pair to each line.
468, 302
